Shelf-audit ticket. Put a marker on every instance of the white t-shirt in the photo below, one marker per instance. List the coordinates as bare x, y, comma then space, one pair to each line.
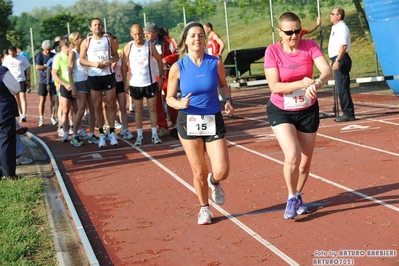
340, 35
17, 65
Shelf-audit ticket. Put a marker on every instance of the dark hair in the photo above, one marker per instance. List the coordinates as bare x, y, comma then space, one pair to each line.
288, 16
341, 11
209, 25
12, 48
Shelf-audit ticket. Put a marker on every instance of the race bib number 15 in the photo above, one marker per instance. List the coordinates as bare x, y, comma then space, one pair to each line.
201, 125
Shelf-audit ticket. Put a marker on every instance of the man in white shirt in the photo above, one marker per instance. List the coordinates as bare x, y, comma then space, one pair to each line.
339, 46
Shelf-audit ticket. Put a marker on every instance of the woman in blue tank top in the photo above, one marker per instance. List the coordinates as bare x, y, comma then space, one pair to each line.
200, 124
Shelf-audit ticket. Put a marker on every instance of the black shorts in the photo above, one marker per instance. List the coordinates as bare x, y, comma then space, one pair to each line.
22, 86
120, 87
65, 93
306, 121
42, 89
101, 83
81, 86
181, 126
148, 92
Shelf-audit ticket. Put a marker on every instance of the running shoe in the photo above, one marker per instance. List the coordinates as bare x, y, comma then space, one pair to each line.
204, 216
163, 132
101, 142
301, 206
54, 121
131, 108
113, 139
93, 139
217, 191
22, 118
70, 132
64, 138
75, 141
127, 134
118, 125
290, 209
41, 121
155, 139
23, 160
82, 134
139, 140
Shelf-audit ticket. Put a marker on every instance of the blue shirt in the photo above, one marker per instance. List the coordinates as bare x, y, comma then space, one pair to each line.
202, 81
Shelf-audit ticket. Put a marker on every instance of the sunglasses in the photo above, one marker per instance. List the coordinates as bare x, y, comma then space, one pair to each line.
291, 32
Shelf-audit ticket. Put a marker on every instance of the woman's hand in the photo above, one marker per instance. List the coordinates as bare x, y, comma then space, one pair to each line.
228, 108
185, 102
311, 91
306, 82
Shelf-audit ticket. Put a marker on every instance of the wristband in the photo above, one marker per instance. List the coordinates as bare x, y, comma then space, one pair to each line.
319, 81
228, 99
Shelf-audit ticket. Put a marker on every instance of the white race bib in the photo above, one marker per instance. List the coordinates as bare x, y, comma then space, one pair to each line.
296, 99
201, 125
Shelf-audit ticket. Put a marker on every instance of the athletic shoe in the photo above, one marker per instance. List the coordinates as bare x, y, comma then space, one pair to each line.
101, 142
70, 132
301, 206
22, 160
163, 132
113, 140
139, 140
75, 141
290, 209
41, 121
82, 134
118, 125
127, 134
205, 215
22, 118
217, 191
93, 139
54, 121
131, 108
64, 138
155, 139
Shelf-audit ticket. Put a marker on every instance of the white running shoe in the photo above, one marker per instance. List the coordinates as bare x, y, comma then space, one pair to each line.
204, 216
217, 191
54, 121
113, 139
41, 121
65, 138
118, 125
139, 140
101, 142
127, 134
155, 139
82, 134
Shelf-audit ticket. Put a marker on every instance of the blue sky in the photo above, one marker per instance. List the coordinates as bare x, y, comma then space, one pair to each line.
27, 5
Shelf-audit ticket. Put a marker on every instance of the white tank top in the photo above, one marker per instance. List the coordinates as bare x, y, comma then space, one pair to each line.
97, 51
141, 73
79, 71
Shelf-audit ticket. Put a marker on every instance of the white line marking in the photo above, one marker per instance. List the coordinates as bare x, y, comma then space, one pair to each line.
256, 236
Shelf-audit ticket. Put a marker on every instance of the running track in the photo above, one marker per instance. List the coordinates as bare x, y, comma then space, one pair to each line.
137, 204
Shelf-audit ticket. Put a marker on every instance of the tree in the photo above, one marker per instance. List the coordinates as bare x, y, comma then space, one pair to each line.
58, 25
5, 11
199, 8
14, 37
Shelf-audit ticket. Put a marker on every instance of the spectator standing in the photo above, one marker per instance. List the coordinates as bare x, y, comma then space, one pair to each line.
18, 65
293, 110
200, 123
339, 46
169, 56
8, 111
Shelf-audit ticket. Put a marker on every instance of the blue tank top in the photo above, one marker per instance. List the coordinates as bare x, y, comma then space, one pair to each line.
202, 81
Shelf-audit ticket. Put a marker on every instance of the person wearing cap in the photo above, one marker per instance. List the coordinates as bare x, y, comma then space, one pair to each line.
18, 66
169, 56
99, 52
45, 85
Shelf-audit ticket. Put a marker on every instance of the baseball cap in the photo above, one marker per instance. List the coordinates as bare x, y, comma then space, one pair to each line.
150, 26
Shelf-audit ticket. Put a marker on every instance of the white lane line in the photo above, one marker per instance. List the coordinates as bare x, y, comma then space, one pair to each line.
245, 228
360, 194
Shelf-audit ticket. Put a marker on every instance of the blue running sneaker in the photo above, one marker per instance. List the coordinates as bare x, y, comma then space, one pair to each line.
290, 209
301, 206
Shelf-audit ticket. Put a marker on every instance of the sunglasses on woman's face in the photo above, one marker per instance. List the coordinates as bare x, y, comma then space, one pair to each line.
291, 32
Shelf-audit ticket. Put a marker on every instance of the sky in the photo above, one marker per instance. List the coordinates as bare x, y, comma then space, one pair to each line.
27, 5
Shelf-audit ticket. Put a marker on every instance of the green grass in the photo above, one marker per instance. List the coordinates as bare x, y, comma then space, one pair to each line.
25, 237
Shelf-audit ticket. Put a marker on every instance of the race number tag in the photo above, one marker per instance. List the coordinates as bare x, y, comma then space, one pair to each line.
101, 55
296, 99
141, 62
201, 125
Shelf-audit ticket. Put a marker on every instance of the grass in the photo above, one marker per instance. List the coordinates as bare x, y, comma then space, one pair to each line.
25, 237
